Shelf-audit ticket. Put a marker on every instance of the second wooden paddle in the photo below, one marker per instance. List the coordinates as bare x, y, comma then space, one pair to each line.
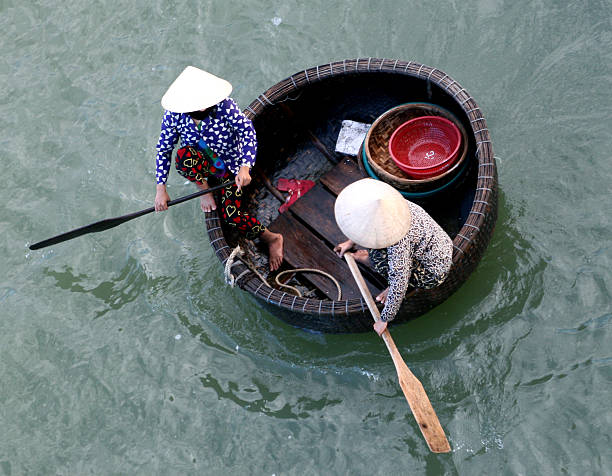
414, 392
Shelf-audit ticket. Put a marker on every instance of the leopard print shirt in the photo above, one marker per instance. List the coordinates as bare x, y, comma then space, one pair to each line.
426, 246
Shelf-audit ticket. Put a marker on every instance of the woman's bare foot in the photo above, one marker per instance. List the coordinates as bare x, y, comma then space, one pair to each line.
207, 203
275, 247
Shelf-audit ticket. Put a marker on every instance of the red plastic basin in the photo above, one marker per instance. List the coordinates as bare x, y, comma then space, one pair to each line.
425, 146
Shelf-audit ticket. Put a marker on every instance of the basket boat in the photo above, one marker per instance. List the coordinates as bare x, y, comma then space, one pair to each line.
297, 123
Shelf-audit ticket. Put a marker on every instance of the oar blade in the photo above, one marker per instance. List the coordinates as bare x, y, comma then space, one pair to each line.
109, 223
411, 386
421, 407
101, 225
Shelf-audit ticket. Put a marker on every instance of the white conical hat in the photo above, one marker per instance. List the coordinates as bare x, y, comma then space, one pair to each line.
372, 213
194, 90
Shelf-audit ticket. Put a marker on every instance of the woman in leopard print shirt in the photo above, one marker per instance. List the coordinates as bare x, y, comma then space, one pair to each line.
405, 244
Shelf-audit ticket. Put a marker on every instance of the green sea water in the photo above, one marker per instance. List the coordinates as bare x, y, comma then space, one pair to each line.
124, 352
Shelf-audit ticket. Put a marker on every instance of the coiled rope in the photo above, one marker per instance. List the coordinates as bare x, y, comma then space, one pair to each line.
238, 253
229, 277
308, 270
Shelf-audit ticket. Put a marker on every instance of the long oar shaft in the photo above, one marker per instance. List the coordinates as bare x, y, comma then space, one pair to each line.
108, 223
414, 392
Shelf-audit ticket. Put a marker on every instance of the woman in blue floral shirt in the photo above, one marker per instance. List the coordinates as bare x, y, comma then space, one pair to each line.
218, 142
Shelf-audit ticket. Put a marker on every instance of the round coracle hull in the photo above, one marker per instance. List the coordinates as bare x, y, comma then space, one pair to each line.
363, 89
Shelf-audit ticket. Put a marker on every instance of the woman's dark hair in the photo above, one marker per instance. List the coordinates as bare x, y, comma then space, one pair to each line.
201, 115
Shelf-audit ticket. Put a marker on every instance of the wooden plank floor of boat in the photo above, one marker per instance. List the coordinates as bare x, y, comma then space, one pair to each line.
310, 232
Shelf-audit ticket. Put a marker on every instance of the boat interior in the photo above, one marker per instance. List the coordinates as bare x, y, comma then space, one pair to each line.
297, 140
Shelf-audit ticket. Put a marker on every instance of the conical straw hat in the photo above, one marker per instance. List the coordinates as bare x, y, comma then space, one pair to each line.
194, 90
372, 213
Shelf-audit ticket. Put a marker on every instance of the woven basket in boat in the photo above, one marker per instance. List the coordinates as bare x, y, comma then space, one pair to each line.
376, 147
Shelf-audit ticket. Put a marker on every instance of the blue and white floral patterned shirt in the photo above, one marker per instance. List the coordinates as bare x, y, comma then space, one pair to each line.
228, 132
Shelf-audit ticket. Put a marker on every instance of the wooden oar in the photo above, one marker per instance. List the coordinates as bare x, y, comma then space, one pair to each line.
414, 392
113, 222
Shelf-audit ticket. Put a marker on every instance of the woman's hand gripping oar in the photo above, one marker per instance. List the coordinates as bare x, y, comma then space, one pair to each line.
414, 392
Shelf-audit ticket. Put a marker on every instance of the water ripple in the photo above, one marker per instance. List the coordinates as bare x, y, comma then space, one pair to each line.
590, 324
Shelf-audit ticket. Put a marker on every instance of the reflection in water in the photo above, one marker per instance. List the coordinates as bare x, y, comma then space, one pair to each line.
196, 330
5, 293
594, 323
115, 294
262, 399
